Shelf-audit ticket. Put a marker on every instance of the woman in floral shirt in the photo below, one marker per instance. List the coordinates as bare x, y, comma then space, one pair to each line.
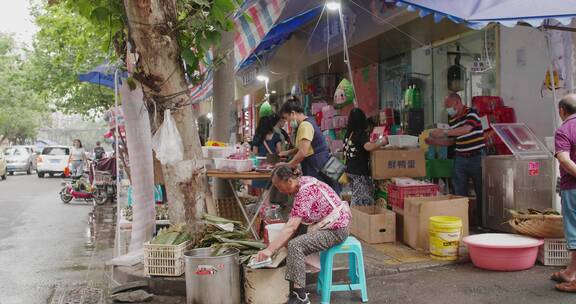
317, 206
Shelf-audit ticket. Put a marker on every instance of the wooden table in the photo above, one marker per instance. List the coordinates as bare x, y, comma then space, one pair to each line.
252, 175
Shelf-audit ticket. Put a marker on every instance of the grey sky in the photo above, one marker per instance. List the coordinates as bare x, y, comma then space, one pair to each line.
15, 18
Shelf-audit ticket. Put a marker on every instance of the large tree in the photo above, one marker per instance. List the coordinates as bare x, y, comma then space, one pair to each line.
169, 38
66, 45
21, 110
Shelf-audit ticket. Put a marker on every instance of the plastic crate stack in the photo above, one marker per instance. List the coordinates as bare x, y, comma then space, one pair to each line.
492, 107
397, 194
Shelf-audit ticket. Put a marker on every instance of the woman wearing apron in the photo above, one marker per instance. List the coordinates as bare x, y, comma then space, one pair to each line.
311, 151
315, 205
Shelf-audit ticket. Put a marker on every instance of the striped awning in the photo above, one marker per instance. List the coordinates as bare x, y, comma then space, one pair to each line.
252, 26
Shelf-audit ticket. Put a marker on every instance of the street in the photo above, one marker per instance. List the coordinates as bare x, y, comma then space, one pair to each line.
46, 247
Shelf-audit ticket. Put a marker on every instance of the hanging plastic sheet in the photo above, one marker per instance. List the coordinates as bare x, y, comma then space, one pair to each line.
140, 152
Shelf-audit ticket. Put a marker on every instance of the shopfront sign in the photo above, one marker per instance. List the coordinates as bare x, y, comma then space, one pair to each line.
248, 76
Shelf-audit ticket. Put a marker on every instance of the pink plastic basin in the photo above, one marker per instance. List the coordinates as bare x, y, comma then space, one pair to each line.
502, 252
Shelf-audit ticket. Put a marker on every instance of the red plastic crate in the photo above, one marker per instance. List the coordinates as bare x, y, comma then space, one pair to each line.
487, 104
505, 115
397, 194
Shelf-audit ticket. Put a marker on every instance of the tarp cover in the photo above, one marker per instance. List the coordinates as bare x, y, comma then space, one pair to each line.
478, 13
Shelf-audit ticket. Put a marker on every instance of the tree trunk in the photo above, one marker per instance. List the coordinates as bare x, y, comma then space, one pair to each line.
160, 68
223, 108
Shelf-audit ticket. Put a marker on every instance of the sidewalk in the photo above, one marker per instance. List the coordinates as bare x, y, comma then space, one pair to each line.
380, 260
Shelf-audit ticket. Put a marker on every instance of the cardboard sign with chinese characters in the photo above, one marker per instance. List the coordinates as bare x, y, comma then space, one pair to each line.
398, 163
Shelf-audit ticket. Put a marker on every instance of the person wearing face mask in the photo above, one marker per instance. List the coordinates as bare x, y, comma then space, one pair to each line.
311, 151
467, 135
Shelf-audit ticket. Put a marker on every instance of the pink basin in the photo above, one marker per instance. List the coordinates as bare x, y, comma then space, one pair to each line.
502, 252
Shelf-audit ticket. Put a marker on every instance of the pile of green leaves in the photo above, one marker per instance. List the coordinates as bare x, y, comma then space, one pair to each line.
221, 240
174, 235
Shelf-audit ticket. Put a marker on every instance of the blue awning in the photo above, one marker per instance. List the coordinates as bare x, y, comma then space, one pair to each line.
479, 13
279, 34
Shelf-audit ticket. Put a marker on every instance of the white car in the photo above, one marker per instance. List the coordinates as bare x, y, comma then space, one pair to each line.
3, 168
52, 160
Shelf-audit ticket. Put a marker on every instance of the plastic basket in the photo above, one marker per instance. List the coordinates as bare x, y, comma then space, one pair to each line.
233, 165
554, 253
397, 194
164, 260
228, 208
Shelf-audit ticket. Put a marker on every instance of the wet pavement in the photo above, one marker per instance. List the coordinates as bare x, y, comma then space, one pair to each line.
47, 249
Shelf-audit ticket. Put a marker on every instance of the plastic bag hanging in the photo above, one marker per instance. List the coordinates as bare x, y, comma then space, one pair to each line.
167, 142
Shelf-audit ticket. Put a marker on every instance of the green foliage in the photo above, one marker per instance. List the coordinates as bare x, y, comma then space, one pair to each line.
21, 109
66, 45
77, 35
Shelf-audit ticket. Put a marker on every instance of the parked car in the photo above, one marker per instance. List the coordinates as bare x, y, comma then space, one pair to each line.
52, 160
3, 169
19, 159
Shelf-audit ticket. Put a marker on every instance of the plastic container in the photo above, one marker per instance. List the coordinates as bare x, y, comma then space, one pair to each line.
233, 165
397, 194
217, 152
212, 279
554, 253
164, 260
502, 252
274, 230
445, 234
403, 141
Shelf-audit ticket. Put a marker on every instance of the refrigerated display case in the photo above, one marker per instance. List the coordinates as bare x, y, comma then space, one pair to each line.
519, 181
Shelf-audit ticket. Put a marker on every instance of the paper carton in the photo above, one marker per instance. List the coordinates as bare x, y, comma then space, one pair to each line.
373, 224
418, 210
398, 163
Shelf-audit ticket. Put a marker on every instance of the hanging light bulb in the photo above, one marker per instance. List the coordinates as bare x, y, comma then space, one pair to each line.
262, 78
333, 5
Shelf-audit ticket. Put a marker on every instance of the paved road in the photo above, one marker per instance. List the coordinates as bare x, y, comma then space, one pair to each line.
44, 244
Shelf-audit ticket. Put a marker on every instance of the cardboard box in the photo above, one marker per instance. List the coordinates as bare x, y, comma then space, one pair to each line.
266, 286
418, 210
373, 224
398, 163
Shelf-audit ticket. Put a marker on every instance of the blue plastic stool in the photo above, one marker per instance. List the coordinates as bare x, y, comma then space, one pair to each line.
356, 274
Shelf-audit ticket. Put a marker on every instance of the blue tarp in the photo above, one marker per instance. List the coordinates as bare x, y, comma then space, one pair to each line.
479, 13
279, 34
101, 75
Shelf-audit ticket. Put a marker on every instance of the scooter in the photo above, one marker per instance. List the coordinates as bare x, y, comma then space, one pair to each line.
77, 188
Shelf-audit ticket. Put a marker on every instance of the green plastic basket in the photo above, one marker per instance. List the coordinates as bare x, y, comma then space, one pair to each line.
439, 168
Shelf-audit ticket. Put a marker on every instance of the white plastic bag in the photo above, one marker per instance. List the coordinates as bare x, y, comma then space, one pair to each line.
167, 142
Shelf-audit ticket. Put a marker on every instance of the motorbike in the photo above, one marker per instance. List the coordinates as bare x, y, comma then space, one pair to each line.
78, 188
104, 187
103, 179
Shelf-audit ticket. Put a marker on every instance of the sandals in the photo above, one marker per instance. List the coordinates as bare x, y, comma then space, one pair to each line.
559, 277
567, 287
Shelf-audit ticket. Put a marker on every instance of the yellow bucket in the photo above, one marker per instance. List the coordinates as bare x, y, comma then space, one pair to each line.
445, 234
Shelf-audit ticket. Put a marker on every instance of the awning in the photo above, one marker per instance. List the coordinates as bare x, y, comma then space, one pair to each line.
479, 13
254, 21
279, 34
102, 75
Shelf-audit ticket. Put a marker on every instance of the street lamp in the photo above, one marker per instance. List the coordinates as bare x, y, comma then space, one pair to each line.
333, 5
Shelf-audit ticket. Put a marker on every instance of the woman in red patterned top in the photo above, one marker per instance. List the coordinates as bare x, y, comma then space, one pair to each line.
317, 206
